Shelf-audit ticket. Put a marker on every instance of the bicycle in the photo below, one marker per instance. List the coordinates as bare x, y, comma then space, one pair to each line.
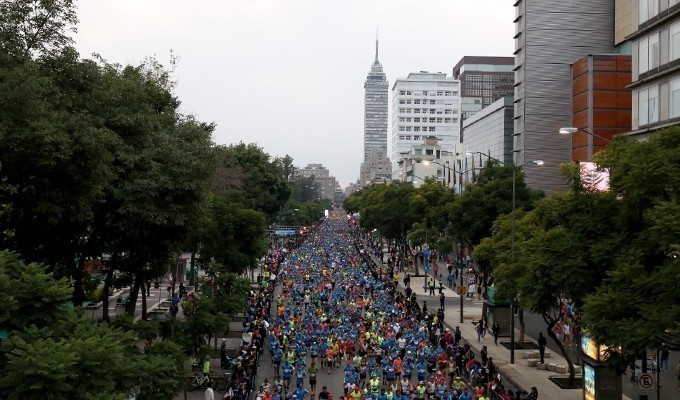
199, 382
223, 383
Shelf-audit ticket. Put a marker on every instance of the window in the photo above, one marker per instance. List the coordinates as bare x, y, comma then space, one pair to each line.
401, 137
439, 120
402, 92
416, 137
401, 128
647, 9
402, 119
408, 137
408, 129
408, 119
643, 56
429, 152
432, 129
416, 110
416, 101
416, 129
675, 42
416, 119
408, 92
648, 53
654, 51
648, 105
674, 109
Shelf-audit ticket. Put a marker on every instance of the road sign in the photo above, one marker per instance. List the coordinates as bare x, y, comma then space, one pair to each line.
645, 381
461, 290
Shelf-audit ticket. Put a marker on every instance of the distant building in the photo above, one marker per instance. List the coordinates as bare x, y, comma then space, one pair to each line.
426, 160
377, 167
339, 194
483, 80
490, 131
322, 178
375, 107
424, 104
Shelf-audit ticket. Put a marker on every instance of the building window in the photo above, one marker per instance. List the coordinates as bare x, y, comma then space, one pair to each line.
432, 129
401, 128
402, 92
416, 119
648, 105
647, 9
416, 138
416, 101
674, 110
416, 129
648, 53
675, 42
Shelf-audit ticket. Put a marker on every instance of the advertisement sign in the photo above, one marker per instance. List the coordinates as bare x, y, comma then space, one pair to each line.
594, 179
592, 349
588, 382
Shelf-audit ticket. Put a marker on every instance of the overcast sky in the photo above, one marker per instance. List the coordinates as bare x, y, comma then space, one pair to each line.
289, 74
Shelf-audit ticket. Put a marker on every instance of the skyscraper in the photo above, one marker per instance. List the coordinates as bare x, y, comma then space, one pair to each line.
375, 107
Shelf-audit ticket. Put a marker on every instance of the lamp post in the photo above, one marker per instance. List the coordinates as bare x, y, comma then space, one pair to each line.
512, 245
572, 130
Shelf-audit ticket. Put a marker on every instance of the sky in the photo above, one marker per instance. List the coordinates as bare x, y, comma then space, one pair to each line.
288, 75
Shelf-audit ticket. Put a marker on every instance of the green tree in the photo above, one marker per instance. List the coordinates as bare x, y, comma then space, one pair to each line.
234, 235
637, 306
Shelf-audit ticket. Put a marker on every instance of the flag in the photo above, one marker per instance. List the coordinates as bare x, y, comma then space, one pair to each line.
480, 160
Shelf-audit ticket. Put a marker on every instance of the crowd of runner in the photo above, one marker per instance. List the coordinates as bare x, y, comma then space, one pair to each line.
338, 310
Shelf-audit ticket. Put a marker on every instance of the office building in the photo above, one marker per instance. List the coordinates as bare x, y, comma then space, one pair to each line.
550, 36
426, 160
483, 80
653, 28
377, 167
322, 178
375, 107
424, 104
490, 131
601, 102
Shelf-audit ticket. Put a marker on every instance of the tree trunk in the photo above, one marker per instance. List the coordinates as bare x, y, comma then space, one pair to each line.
144, 315
105, 295
132, 298
77, 275
551, 323
522, 327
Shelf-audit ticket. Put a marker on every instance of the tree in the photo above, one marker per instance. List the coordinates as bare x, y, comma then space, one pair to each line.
638, 306
234, 235
36, 27
54, 352
249, 169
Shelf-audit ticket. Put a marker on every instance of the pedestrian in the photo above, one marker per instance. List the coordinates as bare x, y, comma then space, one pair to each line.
407, 281
223, 353
442, 299
495, 329
209, 392
449, 280
542, 342
480, 329
431, 285
665, 352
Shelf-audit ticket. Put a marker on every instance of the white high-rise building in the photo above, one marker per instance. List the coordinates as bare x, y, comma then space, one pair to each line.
424, 104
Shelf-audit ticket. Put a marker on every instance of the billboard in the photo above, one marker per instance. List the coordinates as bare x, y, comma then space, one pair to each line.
588, 382
594, 178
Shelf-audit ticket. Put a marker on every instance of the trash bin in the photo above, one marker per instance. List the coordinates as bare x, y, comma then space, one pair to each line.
120, 305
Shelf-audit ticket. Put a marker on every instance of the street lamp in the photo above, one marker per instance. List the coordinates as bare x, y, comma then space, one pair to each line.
512, 248
571, 130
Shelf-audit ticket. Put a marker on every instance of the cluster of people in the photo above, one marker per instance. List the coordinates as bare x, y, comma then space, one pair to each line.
339, 311
255, 327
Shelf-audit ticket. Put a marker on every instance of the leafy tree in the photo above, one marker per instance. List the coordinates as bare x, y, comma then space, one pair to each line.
29, 296
249, 169
472, 216
35, 27
638, 305
234, 235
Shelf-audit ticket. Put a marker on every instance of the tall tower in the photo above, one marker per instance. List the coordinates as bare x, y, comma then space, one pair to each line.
375, 106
